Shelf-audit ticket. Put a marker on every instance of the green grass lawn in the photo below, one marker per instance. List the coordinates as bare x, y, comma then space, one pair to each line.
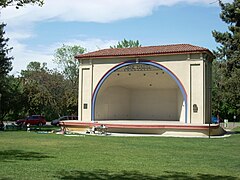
28, 155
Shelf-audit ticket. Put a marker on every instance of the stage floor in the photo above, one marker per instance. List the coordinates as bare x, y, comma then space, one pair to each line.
146, 122
146, 127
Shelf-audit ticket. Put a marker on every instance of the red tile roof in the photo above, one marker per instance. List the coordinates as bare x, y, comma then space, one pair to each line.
145, 51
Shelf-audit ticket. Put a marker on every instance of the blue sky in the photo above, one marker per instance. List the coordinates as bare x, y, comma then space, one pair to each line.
36, 32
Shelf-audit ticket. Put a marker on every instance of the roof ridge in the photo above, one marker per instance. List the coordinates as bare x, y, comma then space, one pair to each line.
145, 50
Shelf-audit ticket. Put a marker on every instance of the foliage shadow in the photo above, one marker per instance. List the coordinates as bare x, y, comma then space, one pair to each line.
16, 155
135, 175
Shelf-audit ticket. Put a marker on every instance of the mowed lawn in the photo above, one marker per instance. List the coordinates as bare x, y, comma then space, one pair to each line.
28, 155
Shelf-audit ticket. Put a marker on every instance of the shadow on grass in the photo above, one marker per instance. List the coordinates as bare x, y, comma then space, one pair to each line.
135, 175
236, 130
232, 132
16, 155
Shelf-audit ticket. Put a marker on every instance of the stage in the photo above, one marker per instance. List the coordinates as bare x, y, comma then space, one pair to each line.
166, 128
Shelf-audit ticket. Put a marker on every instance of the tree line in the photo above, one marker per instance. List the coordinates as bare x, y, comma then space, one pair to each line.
39, 90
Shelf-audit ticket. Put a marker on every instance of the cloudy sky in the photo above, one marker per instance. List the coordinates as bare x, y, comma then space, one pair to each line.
36, 32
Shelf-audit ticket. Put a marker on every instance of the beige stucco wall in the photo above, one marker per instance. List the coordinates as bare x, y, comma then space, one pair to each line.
189, 69
136, 104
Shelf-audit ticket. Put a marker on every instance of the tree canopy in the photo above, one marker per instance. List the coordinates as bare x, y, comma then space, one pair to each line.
226, 87
19, 3
5, 60
11, 92
45, 91
127, 44
65, 58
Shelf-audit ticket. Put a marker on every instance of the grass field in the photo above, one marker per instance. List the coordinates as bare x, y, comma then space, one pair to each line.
28, 155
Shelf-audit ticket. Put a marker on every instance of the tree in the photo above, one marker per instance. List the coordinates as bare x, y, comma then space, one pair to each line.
38, 90
47, 92
14, 100
227, 66
5, 67
19, 3
65, 58
127, 44
5, 61
39, 85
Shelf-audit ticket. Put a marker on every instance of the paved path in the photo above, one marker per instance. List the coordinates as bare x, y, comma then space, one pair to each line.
230, 125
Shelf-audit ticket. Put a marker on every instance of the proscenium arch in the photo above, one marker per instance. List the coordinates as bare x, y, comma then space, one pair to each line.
126, 63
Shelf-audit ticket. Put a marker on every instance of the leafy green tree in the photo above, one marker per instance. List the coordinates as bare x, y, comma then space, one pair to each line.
13, 98
38, 86
38, 90
5, 67
48, 92
36, 66
8, 83
65, 58
226, 87
5, 61
127, 44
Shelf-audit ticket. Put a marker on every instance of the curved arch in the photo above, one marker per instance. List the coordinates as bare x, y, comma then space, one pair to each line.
147, 62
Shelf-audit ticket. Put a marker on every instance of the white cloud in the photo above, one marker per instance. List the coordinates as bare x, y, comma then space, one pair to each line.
23, 55
18, 35
101, 11
92, 44
20, 22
